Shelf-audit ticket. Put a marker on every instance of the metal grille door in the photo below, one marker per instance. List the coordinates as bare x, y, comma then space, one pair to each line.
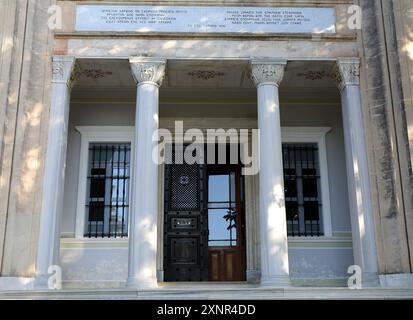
186, 223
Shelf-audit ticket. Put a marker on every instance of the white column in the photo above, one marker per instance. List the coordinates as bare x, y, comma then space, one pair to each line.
267, 76
54, 167
148, 74
346, 73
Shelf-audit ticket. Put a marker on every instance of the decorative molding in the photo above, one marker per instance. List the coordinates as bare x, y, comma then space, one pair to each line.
315, 75
303, 134
209, 123
320, 243
205, 75
87, 243
329, 282
95, 73
65, 70
148, 69
67, 234
346, 72
263, 71
100, 133
75, 75
93, 285
342, 234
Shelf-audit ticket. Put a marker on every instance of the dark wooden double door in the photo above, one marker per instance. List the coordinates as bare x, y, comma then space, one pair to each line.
204, 237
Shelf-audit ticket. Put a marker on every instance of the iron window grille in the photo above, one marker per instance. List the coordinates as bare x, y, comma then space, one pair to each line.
302, 189
108, 190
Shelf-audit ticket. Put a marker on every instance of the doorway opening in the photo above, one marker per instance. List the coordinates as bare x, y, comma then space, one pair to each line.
204, 217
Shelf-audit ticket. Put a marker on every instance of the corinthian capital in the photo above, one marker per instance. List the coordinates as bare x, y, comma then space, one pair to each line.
267, 71
64, 70
148, 69
346, 72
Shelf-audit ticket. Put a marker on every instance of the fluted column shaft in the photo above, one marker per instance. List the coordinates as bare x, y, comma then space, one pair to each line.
148, 74
267, 76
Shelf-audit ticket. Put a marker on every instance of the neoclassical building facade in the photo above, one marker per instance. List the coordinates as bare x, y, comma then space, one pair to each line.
99, 101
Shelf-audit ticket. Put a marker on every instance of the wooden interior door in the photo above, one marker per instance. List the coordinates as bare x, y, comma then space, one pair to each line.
226, 224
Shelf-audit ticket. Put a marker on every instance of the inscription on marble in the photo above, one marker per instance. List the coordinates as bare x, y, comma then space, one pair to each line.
144, 19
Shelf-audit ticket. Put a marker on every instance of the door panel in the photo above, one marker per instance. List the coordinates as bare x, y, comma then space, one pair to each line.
214, 265
226, 264
226, 242
186, 224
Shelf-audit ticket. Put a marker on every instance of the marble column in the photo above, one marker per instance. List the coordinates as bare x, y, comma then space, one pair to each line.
64, 74
346, 73
267, 76
148, 74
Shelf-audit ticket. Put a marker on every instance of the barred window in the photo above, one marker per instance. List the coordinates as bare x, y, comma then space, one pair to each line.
302, 189
108, 190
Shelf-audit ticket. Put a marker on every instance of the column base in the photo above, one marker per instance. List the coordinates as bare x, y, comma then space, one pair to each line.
160, 275
253, 276
139, 284
275, 281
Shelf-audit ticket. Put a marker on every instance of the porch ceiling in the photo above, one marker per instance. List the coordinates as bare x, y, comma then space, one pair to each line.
203, 73
189, 85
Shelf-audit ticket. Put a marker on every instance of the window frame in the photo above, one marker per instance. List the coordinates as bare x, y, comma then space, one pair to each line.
97, 134
315, 135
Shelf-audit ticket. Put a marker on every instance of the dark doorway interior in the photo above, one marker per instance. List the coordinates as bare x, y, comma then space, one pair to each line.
204, 231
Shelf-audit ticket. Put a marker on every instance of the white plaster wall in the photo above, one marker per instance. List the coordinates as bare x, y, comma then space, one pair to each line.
326, 116
94, 265
325, 264
108, 267
80, 115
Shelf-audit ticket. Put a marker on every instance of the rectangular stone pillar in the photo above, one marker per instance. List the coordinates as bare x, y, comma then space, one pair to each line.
54, 167
346, 73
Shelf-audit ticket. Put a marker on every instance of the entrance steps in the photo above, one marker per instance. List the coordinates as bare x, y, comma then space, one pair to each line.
211, 291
